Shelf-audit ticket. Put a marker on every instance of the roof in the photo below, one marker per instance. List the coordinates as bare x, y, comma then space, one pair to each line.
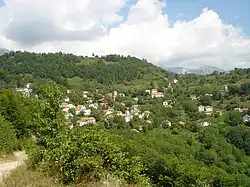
65, 105
157, 93
78, 107
87, 119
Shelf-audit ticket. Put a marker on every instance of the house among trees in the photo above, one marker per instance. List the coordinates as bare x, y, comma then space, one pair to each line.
157, 95
86, 121
208, 110
246, 118
79, 109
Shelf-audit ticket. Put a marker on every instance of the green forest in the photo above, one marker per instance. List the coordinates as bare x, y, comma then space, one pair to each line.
151, 128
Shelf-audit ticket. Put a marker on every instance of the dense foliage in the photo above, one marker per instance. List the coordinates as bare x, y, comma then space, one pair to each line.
169, 145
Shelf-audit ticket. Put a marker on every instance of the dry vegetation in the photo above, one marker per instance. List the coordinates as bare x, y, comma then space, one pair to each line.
26, 178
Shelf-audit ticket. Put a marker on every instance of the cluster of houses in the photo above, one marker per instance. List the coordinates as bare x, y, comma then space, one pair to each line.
85, 112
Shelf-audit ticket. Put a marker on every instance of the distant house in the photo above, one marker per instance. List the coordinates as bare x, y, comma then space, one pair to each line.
135, 107
157, 95
241, 109
154, 91
168, 103
193, 97
210, 95
94, 105
90, 101
121, 94
148, 91
208, 110
87, 112
66, 107
127, 118
79, 109
175, 81
204, 124
25, 91
246, 118
201, 108
66, 99
68, 116
109, 111
68, 91
145, 114
86, 121
136, 99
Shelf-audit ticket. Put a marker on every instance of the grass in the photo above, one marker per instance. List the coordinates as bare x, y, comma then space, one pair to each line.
22, 177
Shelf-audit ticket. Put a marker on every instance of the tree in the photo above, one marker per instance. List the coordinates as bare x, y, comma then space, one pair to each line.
206, 100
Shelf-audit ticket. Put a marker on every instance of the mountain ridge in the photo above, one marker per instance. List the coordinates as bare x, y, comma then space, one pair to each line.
204, 70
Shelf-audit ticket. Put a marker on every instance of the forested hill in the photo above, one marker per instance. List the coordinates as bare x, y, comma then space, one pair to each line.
111, 69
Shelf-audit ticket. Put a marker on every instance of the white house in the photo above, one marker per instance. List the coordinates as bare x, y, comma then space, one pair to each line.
94, 105
66, 99
167, 103
208, 110
246, 118
154, 91
201, 108
204, 124
128, 118
25, 91
157, 94
87, 112
86, 121
175, 81
193, 97
109, 111
121, 94
79, 109
148, 91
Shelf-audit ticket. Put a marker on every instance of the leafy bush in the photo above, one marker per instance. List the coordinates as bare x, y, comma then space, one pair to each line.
73, 155
8, 140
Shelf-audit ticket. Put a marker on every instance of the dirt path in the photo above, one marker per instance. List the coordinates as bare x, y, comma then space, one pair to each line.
11, 162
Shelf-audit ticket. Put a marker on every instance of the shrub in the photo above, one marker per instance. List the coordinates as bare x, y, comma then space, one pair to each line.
8, 140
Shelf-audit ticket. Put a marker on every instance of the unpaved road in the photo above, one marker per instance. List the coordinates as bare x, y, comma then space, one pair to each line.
12, 162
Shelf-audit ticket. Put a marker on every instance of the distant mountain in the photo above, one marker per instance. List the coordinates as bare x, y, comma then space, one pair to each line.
3, 50
205, 70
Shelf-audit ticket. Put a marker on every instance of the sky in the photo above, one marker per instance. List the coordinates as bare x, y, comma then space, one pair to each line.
186, 33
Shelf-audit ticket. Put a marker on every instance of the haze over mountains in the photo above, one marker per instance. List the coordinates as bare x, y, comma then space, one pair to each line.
204, 70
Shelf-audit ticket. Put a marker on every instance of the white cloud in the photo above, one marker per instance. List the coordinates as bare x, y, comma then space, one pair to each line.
146, 33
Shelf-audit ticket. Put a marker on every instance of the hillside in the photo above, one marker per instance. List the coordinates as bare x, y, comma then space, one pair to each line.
83, 119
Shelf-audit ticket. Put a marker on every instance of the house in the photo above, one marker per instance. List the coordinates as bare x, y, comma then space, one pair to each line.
193, 97
210, 95
135, 99
68, 116
127, 117
204, 124
166, 123
67, 106
201, 108
68, 91
102, 100
79, 109
246, 118
168, 103
94, 105
241, 109
25, 91
87, 112
118, 113
66, 99
157, 94
175, 81
208, 110
135, 107
154, 91
109, 111
148, 91
86, 121
90, 101
121, 94
145, 114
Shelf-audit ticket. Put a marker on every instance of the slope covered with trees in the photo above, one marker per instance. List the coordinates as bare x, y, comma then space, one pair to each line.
172, 144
